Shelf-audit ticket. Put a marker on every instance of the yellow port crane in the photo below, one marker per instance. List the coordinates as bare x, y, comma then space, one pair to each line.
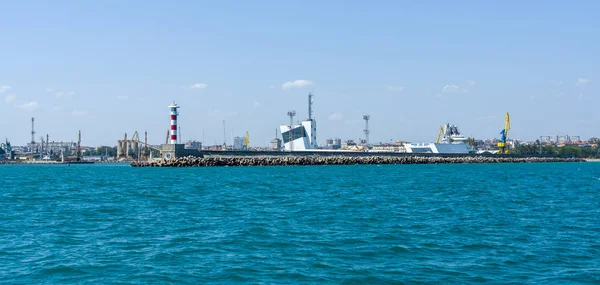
246, 141
502, 147
439, 134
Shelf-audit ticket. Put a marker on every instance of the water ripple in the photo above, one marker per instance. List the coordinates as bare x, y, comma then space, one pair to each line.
359, 224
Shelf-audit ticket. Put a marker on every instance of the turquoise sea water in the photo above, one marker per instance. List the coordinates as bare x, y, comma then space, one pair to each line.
360, 224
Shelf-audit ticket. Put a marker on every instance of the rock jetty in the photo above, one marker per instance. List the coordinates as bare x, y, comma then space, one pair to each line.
338, 160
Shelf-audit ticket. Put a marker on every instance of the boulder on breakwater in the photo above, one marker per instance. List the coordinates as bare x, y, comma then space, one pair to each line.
338, 160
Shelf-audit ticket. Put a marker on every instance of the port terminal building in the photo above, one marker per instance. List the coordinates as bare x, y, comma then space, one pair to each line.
300, 137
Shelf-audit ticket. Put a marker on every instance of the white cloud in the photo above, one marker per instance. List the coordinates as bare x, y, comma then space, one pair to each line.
296, 84
271, 86
395, 88
472, 83
451, 89
198, 86
257, 104
336, 117
64, 94
4, 88
122, 97
49, 90
79, 113
29, 106
582, 81
9, 98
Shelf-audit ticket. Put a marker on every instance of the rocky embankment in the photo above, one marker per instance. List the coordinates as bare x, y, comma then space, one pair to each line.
338, 160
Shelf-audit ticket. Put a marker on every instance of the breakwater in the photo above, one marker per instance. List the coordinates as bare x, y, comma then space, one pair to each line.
338, 160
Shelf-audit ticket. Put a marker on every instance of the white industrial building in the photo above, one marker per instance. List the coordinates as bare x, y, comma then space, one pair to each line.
303, 136
300, 137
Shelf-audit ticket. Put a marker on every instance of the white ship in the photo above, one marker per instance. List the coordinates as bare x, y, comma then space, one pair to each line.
449, 141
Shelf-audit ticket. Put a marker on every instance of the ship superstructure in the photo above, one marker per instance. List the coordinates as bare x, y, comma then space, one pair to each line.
449, 141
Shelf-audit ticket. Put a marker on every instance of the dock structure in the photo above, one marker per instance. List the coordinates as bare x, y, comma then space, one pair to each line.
173, 151
291, 160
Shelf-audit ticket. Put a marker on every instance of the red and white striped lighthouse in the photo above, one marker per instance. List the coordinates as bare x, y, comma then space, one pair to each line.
174, 114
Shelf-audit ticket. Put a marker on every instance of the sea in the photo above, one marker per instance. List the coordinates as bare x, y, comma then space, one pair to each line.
527, 223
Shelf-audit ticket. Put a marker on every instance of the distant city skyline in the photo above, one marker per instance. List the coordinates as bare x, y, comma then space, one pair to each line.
111, 67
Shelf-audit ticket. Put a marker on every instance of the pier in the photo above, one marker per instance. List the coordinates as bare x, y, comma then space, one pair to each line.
338, 160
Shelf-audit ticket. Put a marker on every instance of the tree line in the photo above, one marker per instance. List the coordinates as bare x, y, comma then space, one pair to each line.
563, 151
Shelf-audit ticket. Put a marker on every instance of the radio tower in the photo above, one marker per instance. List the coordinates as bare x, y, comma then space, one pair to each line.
310, 102
32, 131
291, 114
366, 130
224, 137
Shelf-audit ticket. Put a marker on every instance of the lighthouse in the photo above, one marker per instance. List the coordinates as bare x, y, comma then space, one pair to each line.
173, 108
172, 149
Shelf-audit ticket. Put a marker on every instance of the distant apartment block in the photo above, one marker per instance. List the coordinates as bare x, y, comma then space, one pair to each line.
238, 143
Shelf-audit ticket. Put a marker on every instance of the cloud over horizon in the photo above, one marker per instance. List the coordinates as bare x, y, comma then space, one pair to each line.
4, 88
29, 106
582, 81
77, 113
395, 88
451, 88
64, 94
448, 88
300, 83
9, 98
336, 116
198, 86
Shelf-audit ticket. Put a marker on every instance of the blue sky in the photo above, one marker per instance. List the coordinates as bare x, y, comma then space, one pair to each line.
109, 67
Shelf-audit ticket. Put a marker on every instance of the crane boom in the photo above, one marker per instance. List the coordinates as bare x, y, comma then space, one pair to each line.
439, 134
502, 147
246, 141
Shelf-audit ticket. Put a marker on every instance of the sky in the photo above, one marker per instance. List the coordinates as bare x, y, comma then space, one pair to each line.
111, 67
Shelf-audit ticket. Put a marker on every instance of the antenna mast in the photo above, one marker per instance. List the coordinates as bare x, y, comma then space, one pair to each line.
32, 131
310, 102
366, 130
224, 137
291, 114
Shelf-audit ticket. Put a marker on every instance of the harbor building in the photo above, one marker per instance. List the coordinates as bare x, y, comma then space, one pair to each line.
238, 143
303, 136
193, 145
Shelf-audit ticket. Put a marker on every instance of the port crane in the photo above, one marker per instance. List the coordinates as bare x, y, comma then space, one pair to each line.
439, 134
136, 138
246, 141
502, 147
